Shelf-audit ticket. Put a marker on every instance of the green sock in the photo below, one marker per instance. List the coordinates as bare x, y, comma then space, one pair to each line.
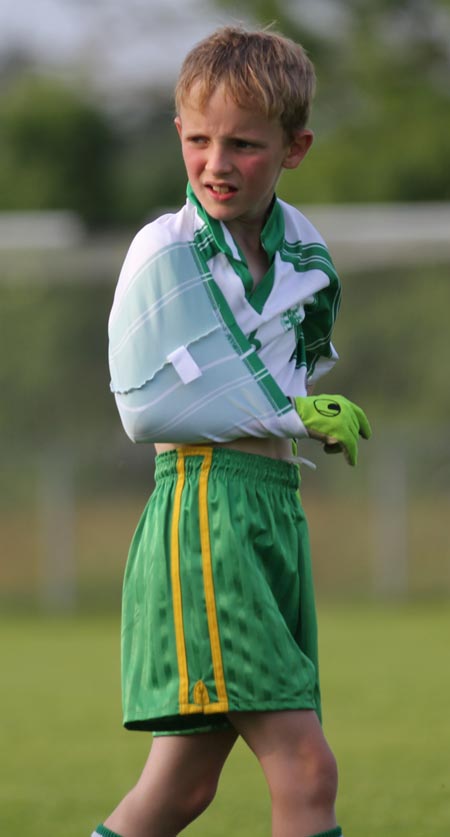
102, 831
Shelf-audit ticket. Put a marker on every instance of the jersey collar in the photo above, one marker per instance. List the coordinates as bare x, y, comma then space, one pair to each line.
216, 238
272, 234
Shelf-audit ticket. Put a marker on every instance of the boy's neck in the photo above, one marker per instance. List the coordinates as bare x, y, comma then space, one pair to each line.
248, 239
247, 235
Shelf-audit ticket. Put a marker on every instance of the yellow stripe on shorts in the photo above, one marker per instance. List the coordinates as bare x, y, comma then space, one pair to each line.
176, 588
205, 704
208, 582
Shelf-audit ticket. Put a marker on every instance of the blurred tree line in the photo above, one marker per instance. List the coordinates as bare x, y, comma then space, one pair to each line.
381, 118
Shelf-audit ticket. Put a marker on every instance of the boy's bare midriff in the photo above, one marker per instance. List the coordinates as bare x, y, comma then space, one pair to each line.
274, 447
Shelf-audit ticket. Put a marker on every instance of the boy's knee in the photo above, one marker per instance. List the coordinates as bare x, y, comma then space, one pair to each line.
308, 777
321, 778
197, 798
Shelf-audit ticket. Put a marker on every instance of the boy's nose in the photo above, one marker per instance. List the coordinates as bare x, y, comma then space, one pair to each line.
218, 161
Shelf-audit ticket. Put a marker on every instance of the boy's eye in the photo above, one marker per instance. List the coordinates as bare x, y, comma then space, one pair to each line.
197, 140
241, 143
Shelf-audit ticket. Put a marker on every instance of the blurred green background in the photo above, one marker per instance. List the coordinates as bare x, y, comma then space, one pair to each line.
88, 154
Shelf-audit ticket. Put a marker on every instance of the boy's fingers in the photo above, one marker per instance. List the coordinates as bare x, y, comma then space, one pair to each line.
365, 429
333, 447
350, 451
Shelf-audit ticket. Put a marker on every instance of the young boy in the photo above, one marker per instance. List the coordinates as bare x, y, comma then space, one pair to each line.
221, 322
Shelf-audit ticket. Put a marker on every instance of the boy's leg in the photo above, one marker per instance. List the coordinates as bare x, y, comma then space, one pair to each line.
299, 767
178, 782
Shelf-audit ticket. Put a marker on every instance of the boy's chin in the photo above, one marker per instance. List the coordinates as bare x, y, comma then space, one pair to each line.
220, 212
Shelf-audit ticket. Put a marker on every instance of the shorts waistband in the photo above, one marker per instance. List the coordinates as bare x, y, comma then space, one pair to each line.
249, 466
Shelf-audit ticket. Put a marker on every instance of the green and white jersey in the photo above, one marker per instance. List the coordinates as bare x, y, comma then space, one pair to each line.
196, 354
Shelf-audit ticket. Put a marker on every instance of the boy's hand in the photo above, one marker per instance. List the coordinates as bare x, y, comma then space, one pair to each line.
335, 421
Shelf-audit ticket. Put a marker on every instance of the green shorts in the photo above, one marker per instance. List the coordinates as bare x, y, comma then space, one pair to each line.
218, 601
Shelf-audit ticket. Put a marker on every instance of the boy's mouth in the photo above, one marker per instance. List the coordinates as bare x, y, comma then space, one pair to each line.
221, 189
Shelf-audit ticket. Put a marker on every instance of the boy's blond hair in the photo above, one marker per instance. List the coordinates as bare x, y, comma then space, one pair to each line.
260, 70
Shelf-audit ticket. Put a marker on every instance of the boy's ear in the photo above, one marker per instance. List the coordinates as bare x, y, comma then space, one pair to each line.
298, 148
177, 123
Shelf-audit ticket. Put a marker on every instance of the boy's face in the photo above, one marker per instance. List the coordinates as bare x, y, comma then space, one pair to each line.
234, 157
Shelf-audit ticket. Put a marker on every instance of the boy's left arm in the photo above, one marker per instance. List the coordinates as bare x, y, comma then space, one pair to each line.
336, 422
331, 419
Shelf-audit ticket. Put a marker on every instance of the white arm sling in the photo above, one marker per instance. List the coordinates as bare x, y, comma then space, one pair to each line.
181, 368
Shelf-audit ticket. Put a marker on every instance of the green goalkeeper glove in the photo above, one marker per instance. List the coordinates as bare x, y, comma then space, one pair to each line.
335, 421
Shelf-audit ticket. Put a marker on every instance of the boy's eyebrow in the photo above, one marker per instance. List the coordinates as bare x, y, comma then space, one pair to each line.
238, 135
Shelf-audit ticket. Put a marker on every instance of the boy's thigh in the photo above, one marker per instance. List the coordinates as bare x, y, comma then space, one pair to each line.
293, 733
190, 757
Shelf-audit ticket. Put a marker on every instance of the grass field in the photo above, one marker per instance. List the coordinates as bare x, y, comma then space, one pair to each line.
65, 761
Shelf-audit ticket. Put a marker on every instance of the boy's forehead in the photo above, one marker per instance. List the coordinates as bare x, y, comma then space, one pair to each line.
199, 96
219, 103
